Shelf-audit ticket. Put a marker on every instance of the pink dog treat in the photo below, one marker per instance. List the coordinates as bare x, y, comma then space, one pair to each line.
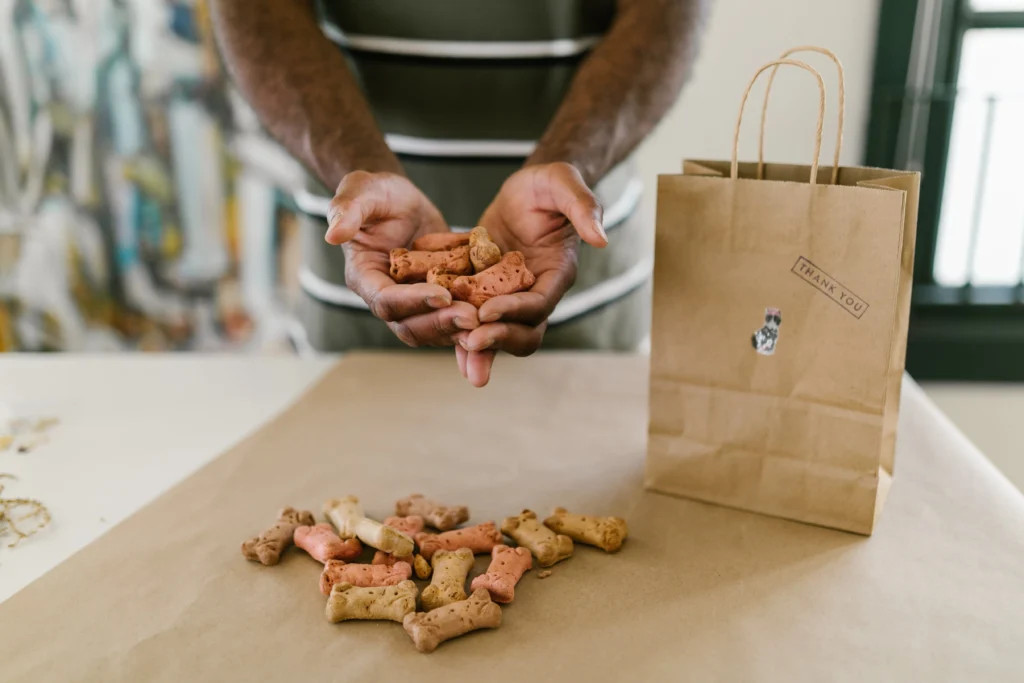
363, 575
480, 539
508, 276
440, 241
441, 517
507, 566
268, 546
409, 526
323, 544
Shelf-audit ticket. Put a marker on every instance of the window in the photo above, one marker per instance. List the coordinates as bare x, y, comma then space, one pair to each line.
948, 101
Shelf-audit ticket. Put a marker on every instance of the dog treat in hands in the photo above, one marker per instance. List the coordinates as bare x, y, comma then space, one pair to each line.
441, 517
391, 603
363, 575
268, 546
508, 276
441, 277
606, 533
483, 253
428, 630
347, 515
507, 566
451, 567
413, 266
410, 526
323, 544
440, 241
547, 546
480, 539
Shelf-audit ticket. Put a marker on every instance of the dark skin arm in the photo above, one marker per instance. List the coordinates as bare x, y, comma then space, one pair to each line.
620, 93
308, 99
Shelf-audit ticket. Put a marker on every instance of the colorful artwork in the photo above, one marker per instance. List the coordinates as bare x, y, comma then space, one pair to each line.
140, 206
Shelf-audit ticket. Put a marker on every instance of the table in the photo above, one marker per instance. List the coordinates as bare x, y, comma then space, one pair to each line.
699, 592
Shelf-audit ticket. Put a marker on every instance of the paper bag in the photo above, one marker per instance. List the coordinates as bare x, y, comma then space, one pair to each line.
781, 301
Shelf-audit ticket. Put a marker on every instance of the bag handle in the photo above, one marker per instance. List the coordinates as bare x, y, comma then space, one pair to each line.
735, 171
842, 108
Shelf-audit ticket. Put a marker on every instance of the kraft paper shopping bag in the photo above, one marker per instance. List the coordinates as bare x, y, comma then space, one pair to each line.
781, 302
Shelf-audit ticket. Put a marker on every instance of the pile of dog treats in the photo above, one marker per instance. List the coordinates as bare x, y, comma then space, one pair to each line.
384, 590
470, 266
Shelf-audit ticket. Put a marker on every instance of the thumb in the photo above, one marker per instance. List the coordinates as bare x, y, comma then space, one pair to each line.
576, 202
360, 199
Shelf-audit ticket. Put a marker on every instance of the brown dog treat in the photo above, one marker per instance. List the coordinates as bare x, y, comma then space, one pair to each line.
413, 266
606, 533
507, 566
392, 603
451, 567
509, 276
480, 539
483, 253
440, 241
441, 517
440, 277
545, 545
323, 544
544, 573
362, 575
428, 630
268, 546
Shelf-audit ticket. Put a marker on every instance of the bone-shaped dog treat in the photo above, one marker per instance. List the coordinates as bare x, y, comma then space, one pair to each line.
363, 575
480, 539
606, 533
412, 266
508, 276
440, 241
440, 277
441, 517
507, 566
451, 567
268, 546
483, 253
323, 544
545, 545
428, 630
410, 526
392, 603
348, 518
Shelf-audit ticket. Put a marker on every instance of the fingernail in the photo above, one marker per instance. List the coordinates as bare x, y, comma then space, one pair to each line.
439, 301
333, 227
490, 317
600, 229
463, 343
465, 324
481, 347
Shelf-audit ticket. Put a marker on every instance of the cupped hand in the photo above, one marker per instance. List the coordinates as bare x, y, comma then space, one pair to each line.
371, 214
542, 211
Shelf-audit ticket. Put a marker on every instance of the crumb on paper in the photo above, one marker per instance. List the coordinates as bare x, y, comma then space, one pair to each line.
21, 517
544, 573
31, 441
5, 441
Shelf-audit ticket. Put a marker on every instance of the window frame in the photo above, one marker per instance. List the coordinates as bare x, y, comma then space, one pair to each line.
956, 333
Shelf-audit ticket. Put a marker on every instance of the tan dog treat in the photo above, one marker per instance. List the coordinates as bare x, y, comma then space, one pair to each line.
392, 603
347, 516
428, 630
363, 575
410, 526
441, 277
440, 241
441, 517
268, 546
507, 566
480, 539
422, 568
451, 567
483, 253
508, 276
323, 544
544, 573
545, 545
606, 533
413, 266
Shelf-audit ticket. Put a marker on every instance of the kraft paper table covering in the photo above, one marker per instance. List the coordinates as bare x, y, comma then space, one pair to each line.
699, 592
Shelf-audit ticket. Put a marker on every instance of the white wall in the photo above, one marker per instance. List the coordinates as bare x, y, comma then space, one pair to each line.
740, 36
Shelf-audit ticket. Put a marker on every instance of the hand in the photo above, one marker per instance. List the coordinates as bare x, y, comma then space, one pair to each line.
371, 214
542, 211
